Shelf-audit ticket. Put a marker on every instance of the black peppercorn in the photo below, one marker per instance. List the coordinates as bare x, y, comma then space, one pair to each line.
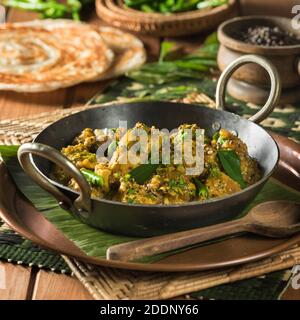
268, 36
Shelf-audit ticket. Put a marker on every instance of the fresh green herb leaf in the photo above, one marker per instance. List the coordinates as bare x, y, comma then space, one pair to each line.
93, 178
165, 48
53, 9
221, 140
211, 39
214, 172
131, 191
232, 166
171, 6
218, 138
147, 8
143, 172
193, 66
177, 183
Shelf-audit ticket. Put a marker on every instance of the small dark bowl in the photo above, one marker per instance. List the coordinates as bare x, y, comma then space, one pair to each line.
285, 58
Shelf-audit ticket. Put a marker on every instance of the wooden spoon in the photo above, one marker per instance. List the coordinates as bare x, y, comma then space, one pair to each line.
274, 219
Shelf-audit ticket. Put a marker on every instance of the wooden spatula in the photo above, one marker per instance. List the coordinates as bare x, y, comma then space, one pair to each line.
274, 219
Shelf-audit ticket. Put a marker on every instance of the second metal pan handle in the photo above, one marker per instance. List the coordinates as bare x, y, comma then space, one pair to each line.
274, 91
81, 207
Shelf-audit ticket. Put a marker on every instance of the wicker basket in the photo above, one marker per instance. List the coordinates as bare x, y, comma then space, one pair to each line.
115, 13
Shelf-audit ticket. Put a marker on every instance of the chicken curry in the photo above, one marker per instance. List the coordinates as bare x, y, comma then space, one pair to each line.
228, 168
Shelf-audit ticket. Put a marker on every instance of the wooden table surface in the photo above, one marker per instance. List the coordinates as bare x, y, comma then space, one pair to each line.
18, 282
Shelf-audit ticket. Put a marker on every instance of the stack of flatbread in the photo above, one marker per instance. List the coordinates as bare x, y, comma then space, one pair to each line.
45, 55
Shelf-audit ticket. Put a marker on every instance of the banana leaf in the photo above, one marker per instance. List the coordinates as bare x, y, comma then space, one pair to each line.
95, 242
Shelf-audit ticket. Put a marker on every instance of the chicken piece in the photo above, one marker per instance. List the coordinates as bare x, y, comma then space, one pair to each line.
120, 160
131, 192
210, 159
173, 185
91, 139
219, 184
106, 173
101, 136
87, 138
187, 148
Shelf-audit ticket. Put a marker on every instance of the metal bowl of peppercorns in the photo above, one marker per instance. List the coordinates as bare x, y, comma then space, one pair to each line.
271, 37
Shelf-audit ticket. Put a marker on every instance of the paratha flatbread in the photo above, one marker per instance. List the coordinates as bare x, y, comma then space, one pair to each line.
39, 56
129, 52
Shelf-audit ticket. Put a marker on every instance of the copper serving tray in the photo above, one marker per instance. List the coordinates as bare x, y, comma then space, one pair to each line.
25, 219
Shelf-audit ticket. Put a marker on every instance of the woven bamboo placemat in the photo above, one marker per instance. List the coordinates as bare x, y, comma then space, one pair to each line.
107, 283
22, 130
14, 248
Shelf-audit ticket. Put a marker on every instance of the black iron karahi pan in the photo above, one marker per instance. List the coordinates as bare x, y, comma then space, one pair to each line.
148, 220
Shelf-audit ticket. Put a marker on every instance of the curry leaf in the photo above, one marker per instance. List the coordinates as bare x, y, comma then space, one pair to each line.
232, 165
211, 39
165, 48
143, 172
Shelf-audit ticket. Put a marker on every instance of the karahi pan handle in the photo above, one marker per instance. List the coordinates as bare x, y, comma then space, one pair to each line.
274, 91
81, 207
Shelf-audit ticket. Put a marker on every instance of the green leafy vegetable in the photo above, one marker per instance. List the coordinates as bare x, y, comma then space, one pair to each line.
172, 6
147, 8
93, 178
177, 184
214, 172
53, 9
143, 172
211, 39
232, 165
194, 66
166, 47
165, 81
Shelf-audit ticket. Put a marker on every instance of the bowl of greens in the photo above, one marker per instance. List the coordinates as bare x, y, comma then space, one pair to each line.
172, 6
166, 17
